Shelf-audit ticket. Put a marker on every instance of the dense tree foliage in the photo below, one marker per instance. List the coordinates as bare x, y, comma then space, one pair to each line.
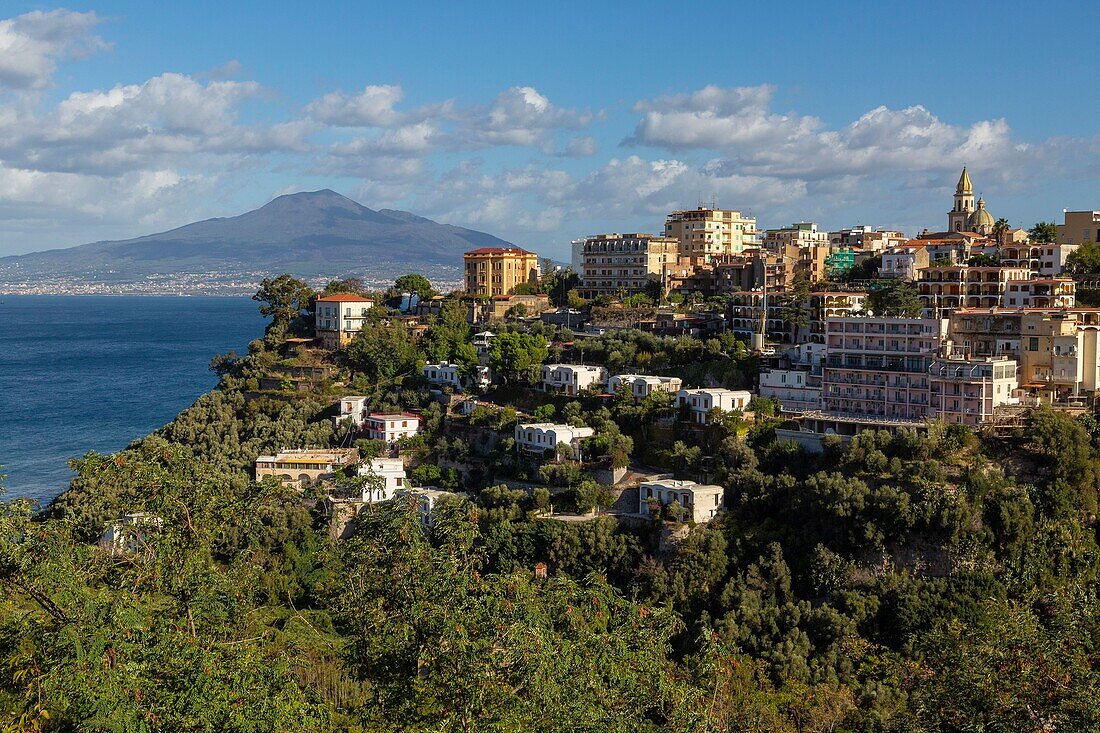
898, 582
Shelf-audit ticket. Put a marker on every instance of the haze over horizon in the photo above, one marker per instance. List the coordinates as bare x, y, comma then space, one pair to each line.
119, 119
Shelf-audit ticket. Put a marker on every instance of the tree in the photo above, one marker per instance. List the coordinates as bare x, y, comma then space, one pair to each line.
515, 355
1044, 232
383, 353
794, 308
1000, 229
1085, 260
897, 300
283, 298
347, 285
416, 284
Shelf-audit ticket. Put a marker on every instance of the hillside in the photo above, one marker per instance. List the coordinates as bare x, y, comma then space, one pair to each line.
317, 234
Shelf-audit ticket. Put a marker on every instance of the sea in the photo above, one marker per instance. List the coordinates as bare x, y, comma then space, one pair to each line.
92, 373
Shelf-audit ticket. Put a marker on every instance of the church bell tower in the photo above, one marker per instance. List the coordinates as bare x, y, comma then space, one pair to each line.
964, 204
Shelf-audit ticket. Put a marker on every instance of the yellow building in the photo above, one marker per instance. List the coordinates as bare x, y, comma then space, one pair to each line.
706, 234
498, 270
1079, 227
298, 468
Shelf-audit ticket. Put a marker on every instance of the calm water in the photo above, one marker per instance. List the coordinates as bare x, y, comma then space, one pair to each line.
81, 373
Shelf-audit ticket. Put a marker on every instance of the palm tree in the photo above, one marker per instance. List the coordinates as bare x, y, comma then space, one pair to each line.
1000, 228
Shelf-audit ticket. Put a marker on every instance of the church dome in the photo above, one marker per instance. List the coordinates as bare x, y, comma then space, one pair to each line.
980, 219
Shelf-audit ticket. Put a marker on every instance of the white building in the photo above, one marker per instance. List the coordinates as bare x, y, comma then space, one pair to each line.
483, 342
426, 497
338, 317
572, 379
388, 477
542, 437
443, 374
702, 401
643, 385
130, 533
391, 427
796, 387
699, 502
354, 408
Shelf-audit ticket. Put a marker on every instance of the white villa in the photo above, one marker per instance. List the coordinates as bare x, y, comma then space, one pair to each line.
130, 533
354, 408
391, 427
541, 437
643, 385
443, 374
427, 497
391, 475
702, 401
483, 342
572, 379
702, 502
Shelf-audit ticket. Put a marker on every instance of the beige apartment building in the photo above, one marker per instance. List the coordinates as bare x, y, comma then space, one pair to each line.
707, 233
1079, 227
878, 367
966, 391
623, 264
944, 288
802, 234
498, 270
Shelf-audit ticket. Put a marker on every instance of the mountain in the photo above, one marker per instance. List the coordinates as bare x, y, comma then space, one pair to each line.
314, 235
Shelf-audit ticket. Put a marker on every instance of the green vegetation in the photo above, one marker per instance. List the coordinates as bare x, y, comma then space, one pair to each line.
896, 583
894, 299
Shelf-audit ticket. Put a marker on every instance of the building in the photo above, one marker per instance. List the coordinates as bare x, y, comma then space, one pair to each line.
966, 391
982, 332
572, 379
501, 307
824, 305
483, 343
708, 233
802, 234
697, 502
643, 385
576, 258
878, 366
391, 427
964, 216
354, 408
338, 317
700, 402
1051, 293
625, 264
796, 387
543, 437
498, 270
868, 239
944, 288
129, 534
443, 374
300, 467
1050, 354
902, 262
745, 313
1079, 227
386, 476
426, 498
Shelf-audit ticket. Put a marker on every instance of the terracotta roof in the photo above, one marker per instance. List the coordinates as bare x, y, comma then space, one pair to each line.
345, 298
499, 251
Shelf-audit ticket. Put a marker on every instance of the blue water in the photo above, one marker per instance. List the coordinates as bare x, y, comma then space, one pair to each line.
81, 373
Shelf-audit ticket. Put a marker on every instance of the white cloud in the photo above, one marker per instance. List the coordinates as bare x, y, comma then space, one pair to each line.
32, 44
372, 107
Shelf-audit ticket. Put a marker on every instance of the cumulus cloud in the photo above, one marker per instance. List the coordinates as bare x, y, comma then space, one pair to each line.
32, 44
372, 107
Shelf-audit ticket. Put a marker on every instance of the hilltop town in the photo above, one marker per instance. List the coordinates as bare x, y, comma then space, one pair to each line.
818, 335
711, 479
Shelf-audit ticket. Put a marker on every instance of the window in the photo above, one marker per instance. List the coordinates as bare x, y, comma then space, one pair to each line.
1033, 344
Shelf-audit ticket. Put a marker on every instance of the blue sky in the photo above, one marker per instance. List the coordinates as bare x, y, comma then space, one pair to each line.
541, 123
